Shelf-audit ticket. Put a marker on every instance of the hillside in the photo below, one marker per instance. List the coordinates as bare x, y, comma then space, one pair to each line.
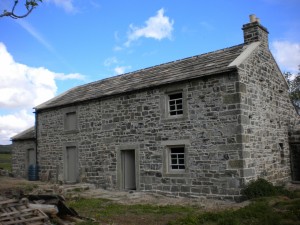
5, 148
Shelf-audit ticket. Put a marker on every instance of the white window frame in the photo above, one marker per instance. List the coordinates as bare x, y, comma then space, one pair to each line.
175, 159
175, 105
170, 144
165, 103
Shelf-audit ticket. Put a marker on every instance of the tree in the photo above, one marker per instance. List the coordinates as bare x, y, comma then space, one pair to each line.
293, 81
29, 6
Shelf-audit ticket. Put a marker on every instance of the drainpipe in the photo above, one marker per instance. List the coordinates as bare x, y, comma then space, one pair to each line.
36, 135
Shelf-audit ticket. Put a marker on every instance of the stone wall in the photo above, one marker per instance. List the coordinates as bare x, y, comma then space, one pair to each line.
267, 117
209, 129
234, 129
19, 157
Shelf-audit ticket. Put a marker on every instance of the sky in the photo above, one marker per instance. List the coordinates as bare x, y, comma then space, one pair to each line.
66, 43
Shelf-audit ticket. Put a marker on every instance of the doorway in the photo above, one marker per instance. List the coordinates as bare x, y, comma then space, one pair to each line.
295, 162
71, 165
128, 169
30, 158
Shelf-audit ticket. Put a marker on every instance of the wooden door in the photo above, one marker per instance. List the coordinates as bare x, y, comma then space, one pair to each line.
30, 160
128, 169
295, 161
31, 157
71, 165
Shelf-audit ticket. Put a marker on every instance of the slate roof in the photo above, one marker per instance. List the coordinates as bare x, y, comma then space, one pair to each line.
176, 71
25, 135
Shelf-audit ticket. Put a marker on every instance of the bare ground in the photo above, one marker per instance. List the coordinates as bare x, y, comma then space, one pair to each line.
11, 187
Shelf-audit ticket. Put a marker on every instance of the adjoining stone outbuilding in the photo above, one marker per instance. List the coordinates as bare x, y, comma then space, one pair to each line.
23, 152
200, 126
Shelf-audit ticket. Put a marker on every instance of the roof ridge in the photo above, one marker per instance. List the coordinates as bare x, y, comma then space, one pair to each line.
158, 65
165, 73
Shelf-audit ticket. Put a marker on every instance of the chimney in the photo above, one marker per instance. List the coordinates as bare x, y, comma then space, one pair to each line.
254, 31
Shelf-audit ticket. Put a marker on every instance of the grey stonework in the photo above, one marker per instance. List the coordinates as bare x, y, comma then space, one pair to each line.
211, 127
22, 144
234, 127
20, 157
269, 116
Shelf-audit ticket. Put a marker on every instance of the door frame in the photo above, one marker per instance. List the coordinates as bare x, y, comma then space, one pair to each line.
65, 162
27, 159
120, 178
292, 163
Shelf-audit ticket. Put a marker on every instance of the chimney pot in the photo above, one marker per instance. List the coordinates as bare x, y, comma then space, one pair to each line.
254, 31
252, 18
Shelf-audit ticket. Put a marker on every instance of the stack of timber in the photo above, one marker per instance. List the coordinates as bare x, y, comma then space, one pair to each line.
18, 212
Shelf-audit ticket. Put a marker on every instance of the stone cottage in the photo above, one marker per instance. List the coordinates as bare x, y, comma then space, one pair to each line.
200, 126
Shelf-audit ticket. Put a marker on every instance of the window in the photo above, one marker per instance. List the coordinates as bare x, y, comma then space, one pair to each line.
70, 121
175, 104
175, 155
177, 159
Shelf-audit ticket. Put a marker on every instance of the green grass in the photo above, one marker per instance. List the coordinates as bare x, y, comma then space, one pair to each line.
271, 210
257, 213
107, 211
5, 161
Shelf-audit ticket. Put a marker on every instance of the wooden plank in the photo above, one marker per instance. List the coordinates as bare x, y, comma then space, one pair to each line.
24, 220
17, 212
49, 209
14, 212
8, 201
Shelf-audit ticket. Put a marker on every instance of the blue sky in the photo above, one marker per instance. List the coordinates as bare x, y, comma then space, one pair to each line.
65, 43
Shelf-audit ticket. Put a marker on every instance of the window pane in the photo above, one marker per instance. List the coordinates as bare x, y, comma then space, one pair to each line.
177, 150
175, 104
176, 96
174, 161
177, 159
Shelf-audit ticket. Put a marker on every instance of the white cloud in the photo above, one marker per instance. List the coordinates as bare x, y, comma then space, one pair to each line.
117, 48
21, 88
207, 25
287, 55
12, 124
67, 5
157, 27
71, 76
121, 69
110, 61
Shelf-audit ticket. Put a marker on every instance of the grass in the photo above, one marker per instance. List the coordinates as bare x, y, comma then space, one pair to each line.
5, 161
281, 209
270, 205
109, 212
